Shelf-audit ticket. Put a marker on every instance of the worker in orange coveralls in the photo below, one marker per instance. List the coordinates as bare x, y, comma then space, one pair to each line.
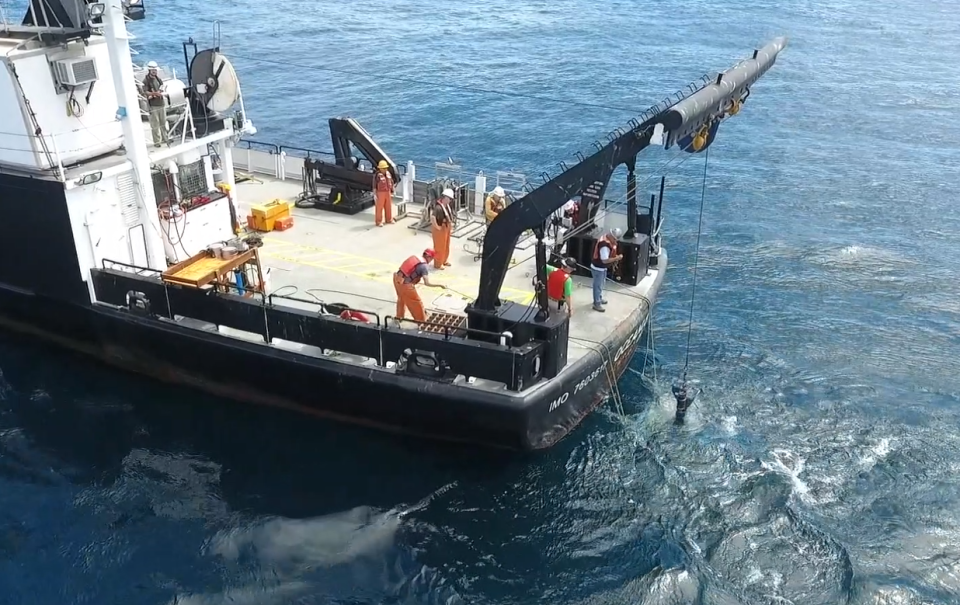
383, 187
442, 227
412, 272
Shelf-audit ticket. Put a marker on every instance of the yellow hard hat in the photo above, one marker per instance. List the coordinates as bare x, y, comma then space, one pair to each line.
383, 165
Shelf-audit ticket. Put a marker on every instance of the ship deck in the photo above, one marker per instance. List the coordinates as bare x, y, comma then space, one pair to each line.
337, 258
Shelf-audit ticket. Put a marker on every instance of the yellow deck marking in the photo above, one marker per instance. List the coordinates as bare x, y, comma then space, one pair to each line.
367, 268
301, 252
363, 264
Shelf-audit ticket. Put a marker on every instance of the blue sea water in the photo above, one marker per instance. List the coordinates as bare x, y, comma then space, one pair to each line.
819, 465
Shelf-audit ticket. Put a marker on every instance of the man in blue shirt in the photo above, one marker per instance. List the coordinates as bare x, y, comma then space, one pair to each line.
604, 255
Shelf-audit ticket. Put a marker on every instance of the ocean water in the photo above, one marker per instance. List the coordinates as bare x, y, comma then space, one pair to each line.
819, 464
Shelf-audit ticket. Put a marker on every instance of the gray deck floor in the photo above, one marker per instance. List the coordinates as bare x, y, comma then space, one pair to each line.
347, 259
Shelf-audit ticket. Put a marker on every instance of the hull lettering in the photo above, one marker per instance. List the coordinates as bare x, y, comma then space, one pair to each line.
590, 378
629, 343
562, 399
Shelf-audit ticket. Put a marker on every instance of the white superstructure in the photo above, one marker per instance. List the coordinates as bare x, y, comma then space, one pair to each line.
72, 115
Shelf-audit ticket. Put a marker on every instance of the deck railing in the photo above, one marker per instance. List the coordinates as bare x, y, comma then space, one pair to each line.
285, 163
262, 319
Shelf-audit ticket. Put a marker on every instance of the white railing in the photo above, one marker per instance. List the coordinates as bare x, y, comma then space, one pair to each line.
286, 163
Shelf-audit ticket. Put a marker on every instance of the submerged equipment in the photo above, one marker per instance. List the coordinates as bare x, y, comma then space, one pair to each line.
685, 398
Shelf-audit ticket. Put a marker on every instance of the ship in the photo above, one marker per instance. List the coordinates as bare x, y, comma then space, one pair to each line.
231, 265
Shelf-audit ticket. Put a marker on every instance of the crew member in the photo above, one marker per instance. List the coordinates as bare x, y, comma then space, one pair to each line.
494, 204
568, 213
412, 272
560, 285
604, 256
153, 88
563, 217
383, 187
442, 218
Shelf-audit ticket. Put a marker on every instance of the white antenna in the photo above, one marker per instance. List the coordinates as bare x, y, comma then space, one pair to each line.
3, 18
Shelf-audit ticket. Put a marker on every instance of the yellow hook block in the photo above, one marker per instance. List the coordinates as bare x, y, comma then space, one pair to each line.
700, 140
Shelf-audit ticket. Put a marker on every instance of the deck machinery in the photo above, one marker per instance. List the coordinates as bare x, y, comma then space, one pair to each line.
690, 122
343, 182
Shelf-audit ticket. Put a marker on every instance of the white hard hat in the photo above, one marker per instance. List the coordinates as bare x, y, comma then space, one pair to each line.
616, 233
447, 193
152, 65
498, 191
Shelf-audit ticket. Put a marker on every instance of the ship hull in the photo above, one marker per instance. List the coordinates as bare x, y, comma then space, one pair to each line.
261, 374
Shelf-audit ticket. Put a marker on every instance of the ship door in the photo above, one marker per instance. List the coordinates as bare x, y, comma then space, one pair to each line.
130, 209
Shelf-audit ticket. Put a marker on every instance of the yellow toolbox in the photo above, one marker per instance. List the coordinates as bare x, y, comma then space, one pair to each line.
271, 209
264, 216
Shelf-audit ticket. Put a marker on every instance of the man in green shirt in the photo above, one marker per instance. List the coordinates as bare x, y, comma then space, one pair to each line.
560, 284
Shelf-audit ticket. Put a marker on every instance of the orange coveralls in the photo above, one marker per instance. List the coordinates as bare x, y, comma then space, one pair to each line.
405, 283
441, 228
383, 194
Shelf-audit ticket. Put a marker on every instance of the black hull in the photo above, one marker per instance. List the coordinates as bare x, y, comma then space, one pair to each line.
260, 374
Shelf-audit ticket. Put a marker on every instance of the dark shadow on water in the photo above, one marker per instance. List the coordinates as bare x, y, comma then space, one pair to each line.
273, 461
504, 525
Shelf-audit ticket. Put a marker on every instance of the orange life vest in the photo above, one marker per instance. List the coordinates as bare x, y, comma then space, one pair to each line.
444, 215
384, 181
408, 267
603, 242
555, 283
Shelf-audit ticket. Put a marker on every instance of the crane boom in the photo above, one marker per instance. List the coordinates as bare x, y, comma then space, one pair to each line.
691, 122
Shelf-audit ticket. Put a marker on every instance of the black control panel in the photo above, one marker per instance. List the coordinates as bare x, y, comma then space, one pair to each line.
629, 271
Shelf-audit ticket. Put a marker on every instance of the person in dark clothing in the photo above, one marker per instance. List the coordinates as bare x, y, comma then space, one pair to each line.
153, 88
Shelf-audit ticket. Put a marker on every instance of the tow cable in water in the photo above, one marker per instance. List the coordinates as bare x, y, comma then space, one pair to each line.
681, 389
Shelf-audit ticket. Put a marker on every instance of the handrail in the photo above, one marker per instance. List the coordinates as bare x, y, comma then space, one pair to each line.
505, 335
274, 149
138, 268
310, 152
327, 306
323, 305
401, 166
158, 290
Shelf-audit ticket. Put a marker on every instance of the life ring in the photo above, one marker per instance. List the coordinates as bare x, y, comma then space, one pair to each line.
350, 315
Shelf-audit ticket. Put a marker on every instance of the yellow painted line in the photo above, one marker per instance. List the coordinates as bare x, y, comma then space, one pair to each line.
372, 266
294, 249
341, 268
351, 265
280, 243
305, 258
